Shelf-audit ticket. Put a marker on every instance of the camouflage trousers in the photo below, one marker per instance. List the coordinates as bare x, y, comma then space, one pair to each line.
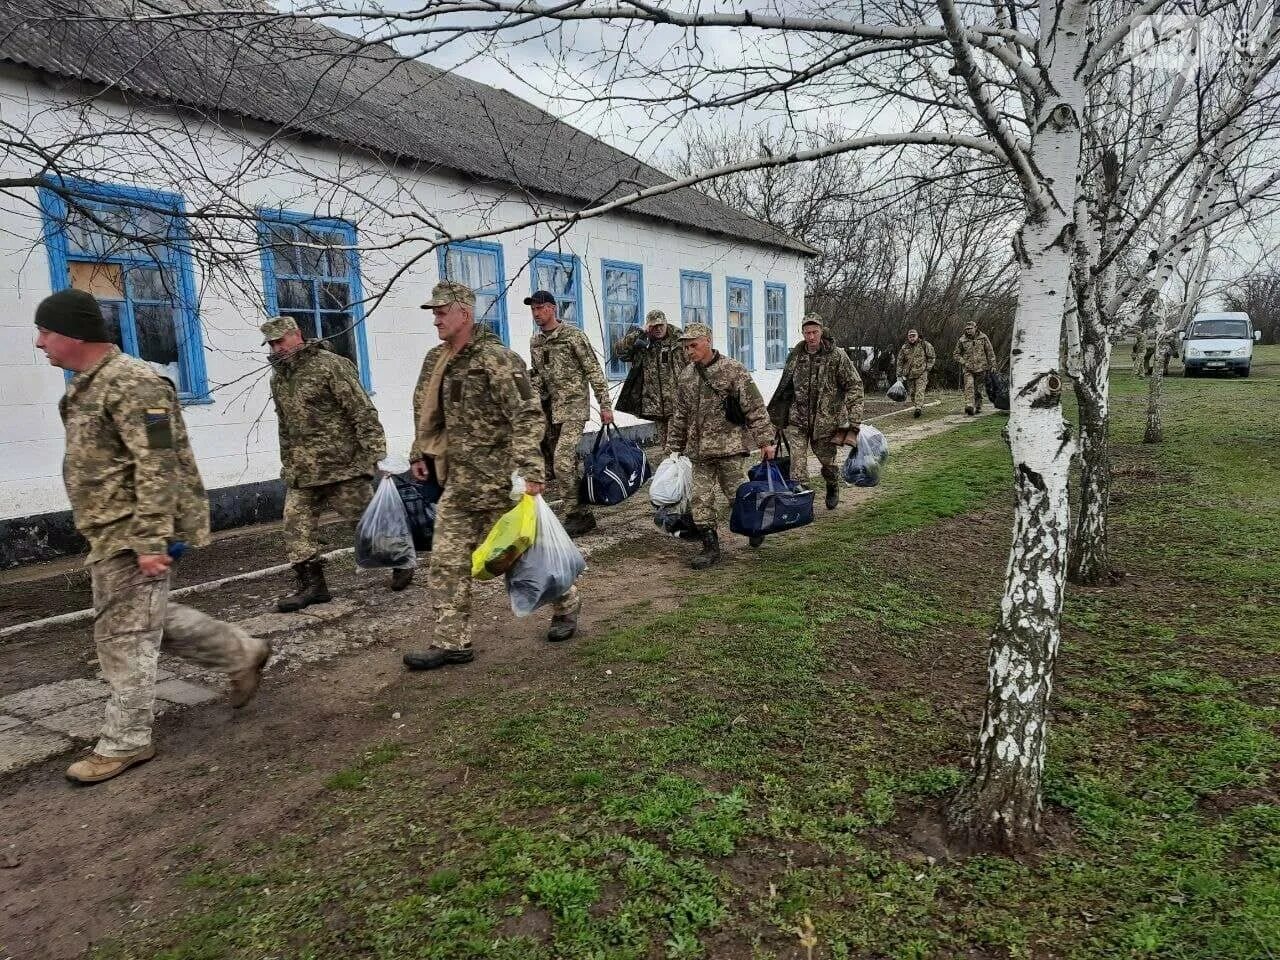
823, 448
974, 380
132, 621
724, 473
916, 387
661, 429
304, 506
458, 532
560, 450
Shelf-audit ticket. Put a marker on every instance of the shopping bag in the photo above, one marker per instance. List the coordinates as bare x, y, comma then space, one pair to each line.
862, 467
614, 469
546, 571
383, 535
672, 481
770, 505
510, 537
419, 498
898, 392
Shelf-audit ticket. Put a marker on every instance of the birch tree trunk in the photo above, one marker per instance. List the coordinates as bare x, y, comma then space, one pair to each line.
999, 807
1155, 427
1090, 561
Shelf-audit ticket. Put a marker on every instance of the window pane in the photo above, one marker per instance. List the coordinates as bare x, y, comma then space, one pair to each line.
306, 322
336, 328
335, 296
157, 336
569, 311
485, 308
283, 251
312, 255
103, 280
111, 313
331, 260
147, 284
295, 295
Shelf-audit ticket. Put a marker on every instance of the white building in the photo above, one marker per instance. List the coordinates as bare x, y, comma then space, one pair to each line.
176, 132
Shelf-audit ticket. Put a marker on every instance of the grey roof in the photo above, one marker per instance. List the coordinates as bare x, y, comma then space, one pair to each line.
302, 76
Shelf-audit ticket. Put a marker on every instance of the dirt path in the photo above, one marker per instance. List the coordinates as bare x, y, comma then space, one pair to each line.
76, 864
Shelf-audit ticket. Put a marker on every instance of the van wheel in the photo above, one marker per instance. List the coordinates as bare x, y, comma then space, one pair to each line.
1188, 372
1244, 372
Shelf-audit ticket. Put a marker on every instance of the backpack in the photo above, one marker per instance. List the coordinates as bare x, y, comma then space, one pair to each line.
770, 505
613, 470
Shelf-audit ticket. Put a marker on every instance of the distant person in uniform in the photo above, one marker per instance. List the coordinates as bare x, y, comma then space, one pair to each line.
976, 356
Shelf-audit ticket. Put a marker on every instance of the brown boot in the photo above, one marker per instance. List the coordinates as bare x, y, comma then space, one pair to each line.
244, 682
95, 768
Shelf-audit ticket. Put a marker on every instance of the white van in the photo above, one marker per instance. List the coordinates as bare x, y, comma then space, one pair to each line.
1218, 341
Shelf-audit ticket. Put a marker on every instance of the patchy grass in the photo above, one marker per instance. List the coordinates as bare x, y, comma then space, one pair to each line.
759, 773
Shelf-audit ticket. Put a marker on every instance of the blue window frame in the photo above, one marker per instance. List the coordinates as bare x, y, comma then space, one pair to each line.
623, 307
775, 326
561, 273
738, 316
311, 272
128, 247
695, 298
479, 265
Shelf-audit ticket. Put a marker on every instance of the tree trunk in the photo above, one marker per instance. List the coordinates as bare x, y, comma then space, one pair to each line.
1155, 428
1090, 557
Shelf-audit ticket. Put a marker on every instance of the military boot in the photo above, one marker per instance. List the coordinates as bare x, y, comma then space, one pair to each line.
311, 587
433, 658
916, 413
244, 682
833, 495
401, 578
95, 768
710, 550
969, 410
563, 627
579, 522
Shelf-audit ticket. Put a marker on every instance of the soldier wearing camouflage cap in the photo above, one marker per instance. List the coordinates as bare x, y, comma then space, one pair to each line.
137, 498
818, 404
565, 372
719, 417
916, 358
330, 444
976, 356
477, 419
656, 359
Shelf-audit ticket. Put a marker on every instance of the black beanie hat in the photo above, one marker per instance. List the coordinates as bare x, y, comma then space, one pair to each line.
73, 313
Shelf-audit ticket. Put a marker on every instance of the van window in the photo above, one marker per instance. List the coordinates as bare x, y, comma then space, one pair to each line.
1219, 329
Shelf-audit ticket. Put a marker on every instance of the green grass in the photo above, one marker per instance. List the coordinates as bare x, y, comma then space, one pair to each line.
749, 775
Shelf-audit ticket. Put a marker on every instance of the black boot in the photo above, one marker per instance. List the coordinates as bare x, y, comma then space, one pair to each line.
435, 657
916, 413
311, 587
710, 550
401, 578
563, 627
579, 522
833, 495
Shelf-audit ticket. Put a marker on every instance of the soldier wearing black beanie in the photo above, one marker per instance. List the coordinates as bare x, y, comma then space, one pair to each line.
73, 313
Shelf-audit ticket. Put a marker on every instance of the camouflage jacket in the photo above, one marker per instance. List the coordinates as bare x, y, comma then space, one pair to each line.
492, 417
819, 393
563, 366
700, 430
975, 353
660, 363
329, 429
129, 471
915, 359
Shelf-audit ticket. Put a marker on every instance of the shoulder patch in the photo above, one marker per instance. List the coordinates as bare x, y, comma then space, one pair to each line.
159, 429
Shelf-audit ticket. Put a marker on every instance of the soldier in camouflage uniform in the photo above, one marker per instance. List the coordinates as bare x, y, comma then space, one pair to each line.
564, 368
657, 359
702, 431
916, 358
818, 400
136, 496
330, 442
477, 419
976, 356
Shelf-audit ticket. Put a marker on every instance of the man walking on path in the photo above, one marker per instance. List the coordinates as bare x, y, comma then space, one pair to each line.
477, 418
656, 359
565, 367
976, 356
916, 358
136, 496
330, 444
720, 416
818, 398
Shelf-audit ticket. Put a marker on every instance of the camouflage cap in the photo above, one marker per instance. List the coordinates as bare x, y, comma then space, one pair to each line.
812, 318
450, 291
696, 330
277, 327
654, 317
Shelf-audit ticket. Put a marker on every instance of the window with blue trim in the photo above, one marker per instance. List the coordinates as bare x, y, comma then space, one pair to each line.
695, 298
128, 247
739, 322
623, 307
479, 266
311, 272
775, 326
561, 274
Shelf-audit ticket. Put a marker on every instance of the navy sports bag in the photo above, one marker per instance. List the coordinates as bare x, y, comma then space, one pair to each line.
614, 469
770, 505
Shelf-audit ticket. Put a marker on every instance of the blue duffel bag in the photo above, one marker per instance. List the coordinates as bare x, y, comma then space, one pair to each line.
614, 469
770, 505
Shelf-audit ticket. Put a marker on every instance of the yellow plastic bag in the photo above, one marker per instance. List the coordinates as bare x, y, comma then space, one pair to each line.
510, 537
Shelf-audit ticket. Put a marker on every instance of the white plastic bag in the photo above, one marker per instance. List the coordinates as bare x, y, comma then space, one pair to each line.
873, 446
383, 535
546, 571
898, 392
672, 482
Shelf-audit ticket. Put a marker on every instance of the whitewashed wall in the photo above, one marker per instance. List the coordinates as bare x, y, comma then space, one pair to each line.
235, 436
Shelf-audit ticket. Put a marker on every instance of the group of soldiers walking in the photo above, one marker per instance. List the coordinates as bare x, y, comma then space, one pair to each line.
482, 420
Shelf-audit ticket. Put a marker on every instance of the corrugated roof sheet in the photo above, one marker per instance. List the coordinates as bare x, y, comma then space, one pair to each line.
301, 76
